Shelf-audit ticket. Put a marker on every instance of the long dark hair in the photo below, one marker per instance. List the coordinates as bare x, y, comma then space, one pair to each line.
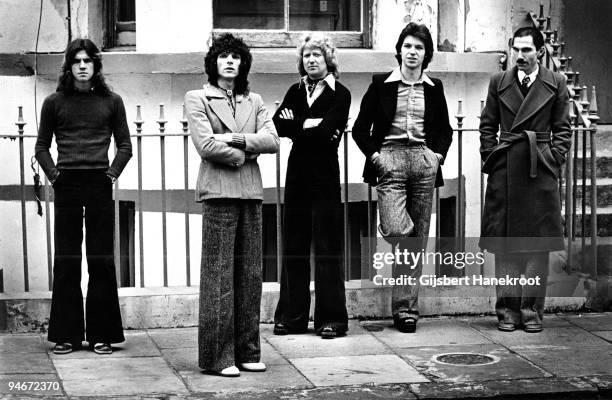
66, 80
420, 32
228, 43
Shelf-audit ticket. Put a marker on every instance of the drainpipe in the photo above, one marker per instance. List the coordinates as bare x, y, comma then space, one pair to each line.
69, 19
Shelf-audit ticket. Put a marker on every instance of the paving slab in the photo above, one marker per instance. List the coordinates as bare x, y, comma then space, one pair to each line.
355, 370
277, 376
186, 359
504, 364
489, 323
519, 388
602, 382
592, 322
137, 344
310, 345
21, 344
118, 376
174, 338
430, 332
360, 392
28, 384
562, 336
569, 361
607, 335
25, 363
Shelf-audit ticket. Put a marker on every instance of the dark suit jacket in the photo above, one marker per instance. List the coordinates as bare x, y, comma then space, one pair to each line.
378, 109
313, 148
522, 198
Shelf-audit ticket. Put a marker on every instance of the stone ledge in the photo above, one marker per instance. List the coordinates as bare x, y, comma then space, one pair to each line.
143, 308
265, 61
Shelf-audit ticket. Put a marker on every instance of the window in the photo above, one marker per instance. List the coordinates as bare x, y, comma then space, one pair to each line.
121, 24
282, 23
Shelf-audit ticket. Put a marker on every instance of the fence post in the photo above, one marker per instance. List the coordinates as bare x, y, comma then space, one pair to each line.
24, 234
162, 144
139, 123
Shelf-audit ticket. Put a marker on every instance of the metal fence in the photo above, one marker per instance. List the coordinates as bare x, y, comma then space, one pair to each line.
583, 115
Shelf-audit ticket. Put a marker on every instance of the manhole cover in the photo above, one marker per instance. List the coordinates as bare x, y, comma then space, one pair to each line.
373, 327
465, 359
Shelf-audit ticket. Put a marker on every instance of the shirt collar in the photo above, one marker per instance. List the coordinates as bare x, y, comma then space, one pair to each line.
212, 91
329, 80
532, 76
396, 75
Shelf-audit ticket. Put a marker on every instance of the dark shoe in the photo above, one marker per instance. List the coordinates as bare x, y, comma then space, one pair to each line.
330, 332
62, 348
506, 326
533, 328
282, 329
102, 348
405, 324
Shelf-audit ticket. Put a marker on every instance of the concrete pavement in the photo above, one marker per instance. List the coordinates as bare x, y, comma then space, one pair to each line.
448, 357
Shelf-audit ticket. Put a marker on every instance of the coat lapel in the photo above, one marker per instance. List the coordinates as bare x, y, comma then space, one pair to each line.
509, 92
244, 109
388, 99
218, 103
538, 96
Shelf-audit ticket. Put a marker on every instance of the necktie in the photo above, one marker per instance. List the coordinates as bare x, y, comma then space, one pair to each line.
525, 82
312, 84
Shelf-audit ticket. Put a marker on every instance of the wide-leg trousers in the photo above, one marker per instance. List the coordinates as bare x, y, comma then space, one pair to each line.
312, 217
407, 178
88, 194
230, 283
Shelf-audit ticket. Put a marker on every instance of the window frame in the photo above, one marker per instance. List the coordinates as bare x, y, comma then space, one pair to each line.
111, 36
279, 38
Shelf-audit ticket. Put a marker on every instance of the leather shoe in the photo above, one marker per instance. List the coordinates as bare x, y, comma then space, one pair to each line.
282, 329
533, 328
252, 367
405, 324
506, 326
330, 332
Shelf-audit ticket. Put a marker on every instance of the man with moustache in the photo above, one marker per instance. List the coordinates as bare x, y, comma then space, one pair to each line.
521, 223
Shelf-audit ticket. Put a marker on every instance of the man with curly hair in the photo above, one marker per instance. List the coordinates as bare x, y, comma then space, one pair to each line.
83, 114
230, 127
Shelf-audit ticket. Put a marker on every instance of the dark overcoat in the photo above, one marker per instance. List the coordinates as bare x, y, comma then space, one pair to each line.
524, 141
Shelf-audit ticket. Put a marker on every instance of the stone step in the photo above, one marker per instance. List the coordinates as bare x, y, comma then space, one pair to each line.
604, 221
604, 192
603, 166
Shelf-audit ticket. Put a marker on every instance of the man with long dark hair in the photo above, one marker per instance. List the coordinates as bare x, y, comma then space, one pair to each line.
83, 114
230, 127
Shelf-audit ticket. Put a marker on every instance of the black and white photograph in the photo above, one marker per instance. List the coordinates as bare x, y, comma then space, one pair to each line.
305, 199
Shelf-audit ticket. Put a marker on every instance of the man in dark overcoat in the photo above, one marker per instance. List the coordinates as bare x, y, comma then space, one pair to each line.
521, 223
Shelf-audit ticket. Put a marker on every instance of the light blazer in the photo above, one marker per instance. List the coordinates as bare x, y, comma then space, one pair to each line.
226, 171
522, 198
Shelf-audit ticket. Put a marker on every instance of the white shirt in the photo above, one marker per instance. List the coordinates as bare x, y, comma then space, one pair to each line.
532, 76
329, 81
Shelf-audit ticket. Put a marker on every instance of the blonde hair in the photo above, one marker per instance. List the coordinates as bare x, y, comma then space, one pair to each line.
323, 43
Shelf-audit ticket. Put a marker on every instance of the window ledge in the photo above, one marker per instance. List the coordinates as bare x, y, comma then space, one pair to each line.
273, 61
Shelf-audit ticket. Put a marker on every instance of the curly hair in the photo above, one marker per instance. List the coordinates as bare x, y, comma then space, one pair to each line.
66, 79
323, 43
420, 32
228, 43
